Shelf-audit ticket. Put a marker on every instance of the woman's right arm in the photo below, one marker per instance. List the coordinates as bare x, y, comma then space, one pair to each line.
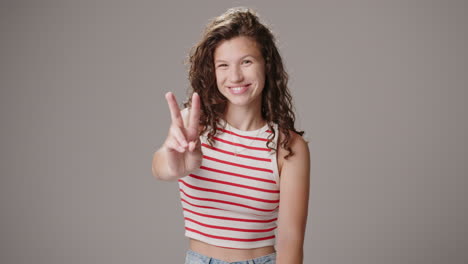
160, 168
180, 153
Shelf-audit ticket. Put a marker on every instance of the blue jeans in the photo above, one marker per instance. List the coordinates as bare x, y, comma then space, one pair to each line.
193, 257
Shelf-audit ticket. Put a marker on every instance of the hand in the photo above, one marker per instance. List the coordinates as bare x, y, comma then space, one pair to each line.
182, 143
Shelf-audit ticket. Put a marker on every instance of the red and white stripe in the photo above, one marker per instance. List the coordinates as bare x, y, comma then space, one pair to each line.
232, 200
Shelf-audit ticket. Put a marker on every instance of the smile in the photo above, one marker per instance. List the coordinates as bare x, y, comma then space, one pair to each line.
239, 89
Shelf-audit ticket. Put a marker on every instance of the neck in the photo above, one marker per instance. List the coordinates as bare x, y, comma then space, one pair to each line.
244, 118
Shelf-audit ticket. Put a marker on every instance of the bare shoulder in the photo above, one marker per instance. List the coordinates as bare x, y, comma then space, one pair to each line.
294, 192
299, 147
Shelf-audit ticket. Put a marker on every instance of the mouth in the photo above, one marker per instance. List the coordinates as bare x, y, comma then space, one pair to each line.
239, 89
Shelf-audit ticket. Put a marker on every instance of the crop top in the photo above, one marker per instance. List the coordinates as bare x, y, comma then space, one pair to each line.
232, 200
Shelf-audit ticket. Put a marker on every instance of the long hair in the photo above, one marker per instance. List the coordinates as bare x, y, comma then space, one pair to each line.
276, 99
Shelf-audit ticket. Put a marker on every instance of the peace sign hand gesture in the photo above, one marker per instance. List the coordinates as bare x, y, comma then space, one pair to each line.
182, 144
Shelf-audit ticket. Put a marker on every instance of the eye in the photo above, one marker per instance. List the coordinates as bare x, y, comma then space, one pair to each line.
247, 62
222, 65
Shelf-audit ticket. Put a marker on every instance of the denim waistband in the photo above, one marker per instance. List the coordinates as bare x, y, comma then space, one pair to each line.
195, 256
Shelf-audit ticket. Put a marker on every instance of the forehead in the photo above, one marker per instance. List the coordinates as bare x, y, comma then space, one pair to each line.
237, 47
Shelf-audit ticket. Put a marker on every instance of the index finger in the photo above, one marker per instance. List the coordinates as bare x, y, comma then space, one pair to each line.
194, 119
174, 108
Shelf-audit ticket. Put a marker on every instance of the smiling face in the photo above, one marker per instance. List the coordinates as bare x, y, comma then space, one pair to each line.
240, 71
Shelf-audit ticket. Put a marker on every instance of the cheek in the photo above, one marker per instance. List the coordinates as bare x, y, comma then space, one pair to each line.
259, 72
219, 77
261, 76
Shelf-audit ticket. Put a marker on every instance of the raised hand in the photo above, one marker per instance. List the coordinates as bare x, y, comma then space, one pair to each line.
182, 143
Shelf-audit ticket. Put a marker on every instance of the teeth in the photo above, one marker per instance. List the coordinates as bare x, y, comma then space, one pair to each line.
238, 88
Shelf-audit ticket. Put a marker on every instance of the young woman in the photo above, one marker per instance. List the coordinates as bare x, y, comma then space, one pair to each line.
241, 165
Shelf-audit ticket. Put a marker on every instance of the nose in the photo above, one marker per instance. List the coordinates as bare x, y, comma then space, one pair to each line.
236, 75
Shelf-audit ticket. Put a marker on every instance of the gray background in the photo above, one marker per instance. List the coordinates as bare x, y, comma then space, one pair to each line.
379, 87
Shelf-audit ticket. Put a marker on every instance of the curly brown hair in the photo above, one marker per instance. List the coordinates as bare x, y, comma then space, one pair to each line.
276, 99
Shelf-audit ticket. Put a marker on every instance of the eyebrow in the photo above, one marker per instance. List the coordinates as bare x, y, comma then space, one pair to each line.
243, 57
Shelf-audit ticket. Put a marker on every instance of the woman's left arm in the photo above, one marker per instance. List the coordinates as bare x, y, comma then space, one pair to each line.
294, 200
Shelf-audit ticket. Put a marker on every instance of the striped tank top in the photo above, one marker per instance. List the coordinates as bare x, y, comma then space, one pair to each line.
232, 200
